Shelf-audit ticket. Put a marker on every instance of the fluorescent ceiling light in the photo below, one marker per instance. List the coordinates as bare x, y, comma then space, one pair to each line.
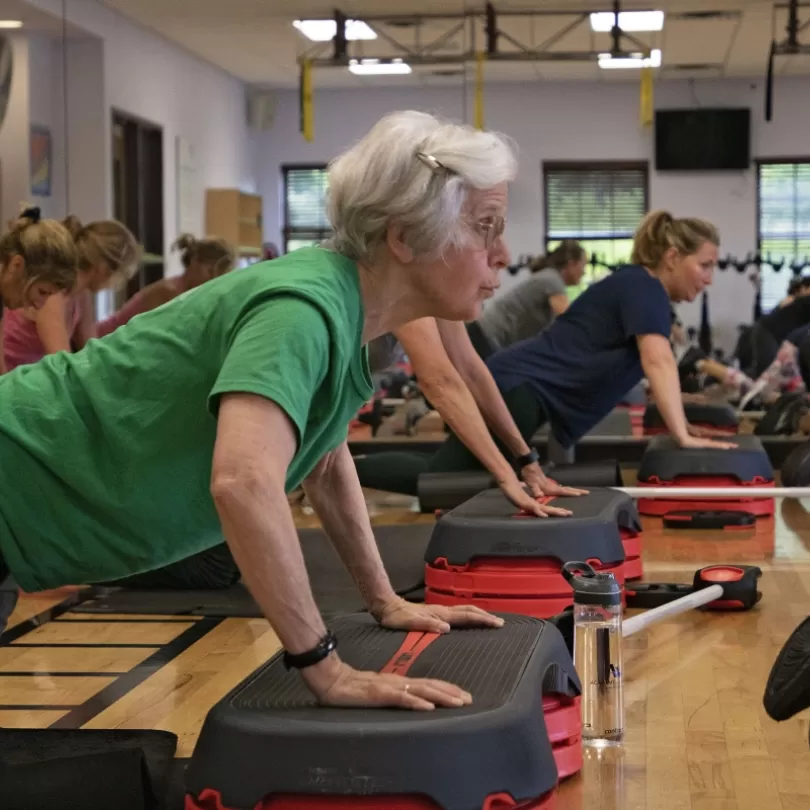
630, 21
374, 67
636, 60
10, 24
326, 30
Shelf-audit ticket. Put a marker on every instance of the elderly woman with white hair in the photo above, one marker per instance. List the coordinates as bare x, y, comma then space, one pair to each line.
192, 422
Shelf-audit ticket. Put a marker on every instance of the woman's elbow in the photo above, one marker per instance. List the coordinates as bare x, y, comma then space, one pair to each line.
237, 484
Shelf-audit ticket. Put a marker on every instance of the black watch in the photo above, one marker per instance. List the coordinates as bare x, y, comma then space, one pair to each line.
314, 656
530, 458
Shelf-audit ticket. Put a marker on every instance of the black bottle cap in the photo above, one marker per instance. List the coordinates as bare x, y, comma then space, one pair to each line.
592, 587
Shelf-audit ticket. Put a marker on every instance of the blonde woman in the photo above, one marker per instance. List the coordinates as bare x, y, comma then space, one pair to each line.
37, 260
105, 253
203, 260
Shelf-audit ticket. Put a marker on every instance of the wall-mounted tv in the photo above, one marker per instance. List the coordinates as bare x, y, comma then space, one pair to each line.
717, 139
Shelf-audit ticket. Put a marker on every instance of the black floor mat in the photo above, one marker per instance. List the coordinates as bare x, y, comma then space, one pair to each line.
402, 549
86, 770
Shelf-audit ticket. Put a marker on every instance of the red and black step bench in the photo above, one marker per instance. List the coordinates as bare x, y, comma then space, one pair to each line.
665, 464
485, 554
719, 417
268, 746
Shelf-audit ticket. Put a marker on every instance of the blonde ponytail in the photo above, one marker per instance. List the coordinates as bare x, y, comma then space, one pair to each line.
45, 246
659, 231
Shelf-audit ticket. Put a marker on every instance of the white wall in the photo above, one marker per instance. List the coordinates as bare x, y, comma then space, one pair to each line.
46, 96
14, 134
144, 75
571, 121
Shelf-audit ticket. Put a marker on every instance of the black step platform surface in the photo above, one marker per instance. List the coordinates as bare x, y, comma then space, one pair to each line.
487, 526
447, 490
268, 737
719, 416
664, 460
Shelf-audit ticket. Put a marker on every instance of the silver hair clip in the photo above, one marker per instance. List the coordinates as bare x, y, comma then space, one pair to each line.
432, 163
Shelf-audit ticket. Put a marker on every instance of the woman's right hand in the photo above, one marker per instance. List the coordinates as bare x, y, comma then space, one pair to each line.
353, 687
698, 443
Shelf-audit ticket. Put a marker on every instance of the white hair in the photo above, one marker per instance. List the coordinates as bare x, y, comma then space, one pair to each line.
380, 180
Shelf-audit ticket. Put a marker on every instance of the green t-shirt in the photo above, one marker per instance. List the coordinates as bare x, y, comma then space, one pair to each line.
105, 455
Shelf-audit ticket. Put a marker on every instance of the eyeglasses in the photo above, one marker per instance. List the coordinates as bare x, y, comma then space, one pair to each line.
491, 228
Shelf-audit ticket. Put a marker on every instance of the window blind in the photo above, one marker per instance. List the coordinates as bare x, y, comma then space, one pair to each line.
588, 202
783, 191
305, 193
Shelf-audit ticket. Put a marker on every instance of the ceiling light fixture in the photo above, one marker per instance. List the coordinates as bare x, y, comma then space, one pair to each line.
630, 21
10, 24
326, 30
635, 60
378, 67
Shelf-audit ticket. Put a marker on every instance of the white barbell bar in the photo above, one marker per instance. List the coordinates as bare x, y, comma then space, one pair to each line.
740, 493
688, 602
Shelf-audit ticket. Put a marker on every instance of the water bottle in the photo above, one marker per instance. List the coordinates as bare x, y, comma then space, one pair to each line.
598, 652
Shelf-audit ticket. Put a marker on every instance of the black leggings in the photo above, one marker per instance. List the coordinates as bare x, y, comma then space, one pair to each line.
400, 471
211, 569
763, 350
479, 340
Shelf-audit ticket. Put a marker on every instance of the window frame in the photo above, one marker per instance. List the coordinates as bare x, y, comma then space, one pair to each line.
758, 164
289, 233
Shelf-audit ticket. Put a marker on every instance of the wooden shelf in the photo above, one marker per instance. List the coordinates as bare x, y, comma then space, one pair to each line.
236, 217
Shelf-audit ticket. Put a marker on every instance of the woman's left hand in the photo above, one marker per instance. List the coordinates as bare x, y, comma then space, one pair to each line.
398, 614
541, 486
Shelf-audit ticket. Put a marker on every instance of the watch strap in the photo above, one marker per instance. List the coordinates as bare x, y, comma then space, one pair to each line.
314, 656
529, 458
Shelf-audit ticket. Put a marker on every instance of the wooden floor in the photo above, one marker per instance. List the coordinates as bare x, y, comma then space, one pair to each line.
697, 736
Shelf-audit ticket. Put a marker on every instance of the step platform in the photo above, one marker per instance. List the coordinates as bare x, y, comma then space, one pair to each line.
720, 417
268, 746
485, 553
665, 464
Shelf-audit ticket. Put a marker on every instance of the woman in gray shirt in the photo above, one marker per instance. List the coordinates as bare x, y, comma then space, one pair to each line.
529, 308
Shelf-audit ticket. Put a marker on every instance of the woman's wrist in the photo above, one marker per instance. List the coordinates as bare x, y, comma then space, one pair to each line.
378, 604
320, 677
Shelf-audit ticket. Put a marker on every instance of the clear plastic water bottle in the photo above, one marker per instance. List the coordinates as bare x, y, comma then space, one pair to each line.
598, 653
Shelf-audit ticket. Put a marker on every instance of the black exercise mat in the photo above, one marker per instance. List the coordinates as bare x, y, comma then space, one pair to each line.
402, 549
85, 769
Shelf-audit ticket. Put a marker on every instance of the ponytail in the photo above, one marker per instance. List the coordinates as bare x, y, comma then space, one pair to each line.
212, 253
659, 231
45, 246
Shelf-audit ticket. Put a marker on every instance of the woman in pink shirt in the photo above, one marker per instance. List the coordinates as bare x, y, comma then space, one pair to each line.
37, 260
106, 252
203, 260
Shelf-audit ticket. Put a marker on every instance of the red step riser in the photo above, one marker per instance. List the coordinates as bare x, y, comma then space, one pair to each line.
524, 581
659, 507
537, 608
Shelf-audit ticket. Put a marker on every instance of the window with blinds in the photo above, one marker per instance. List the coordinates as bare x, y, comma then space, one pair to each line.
783, 204
600, 205
305, 221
